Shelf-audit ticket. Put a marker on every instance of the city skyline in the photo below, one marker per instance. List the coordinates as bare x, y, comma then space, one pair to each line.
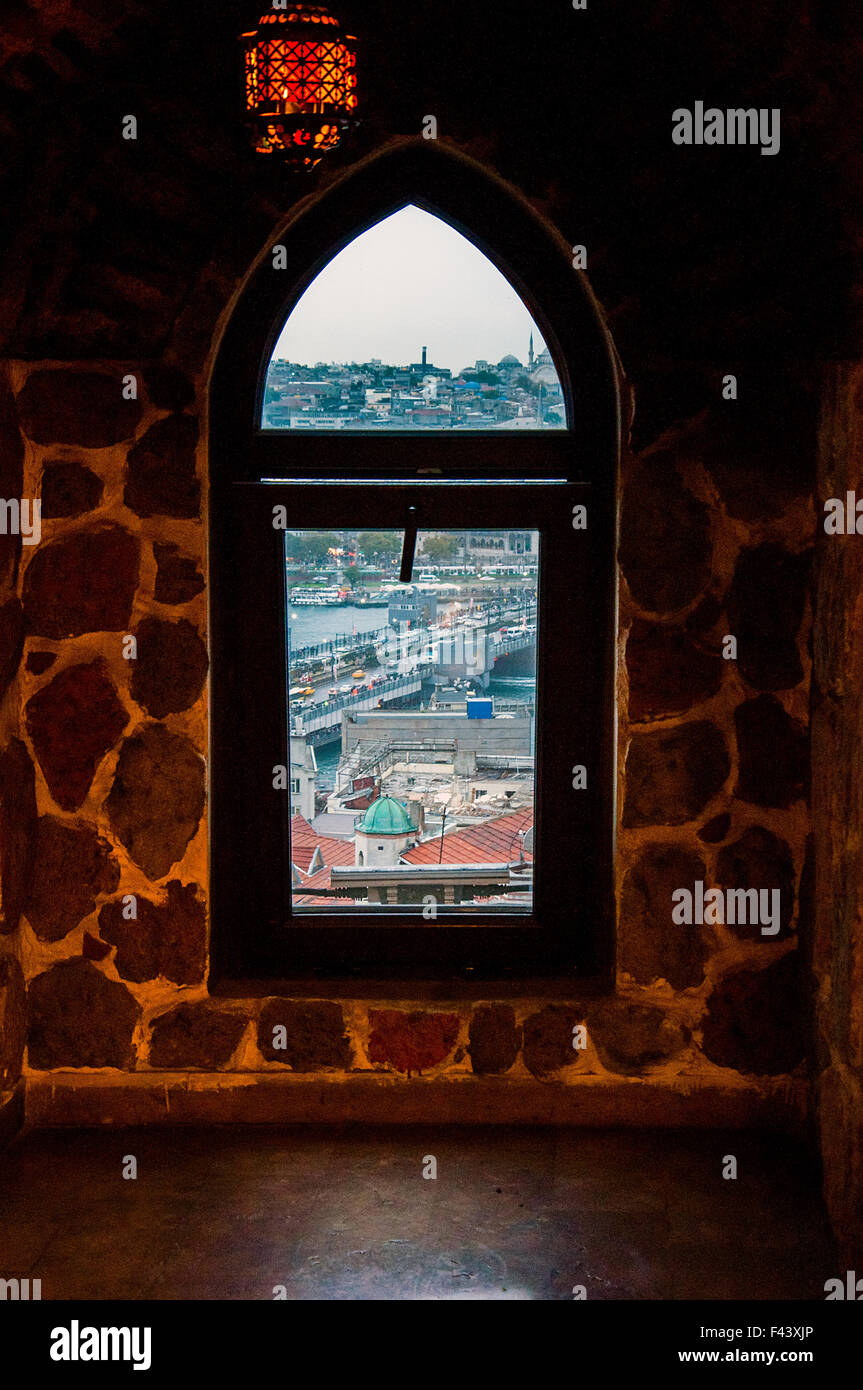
358, 362
369, 302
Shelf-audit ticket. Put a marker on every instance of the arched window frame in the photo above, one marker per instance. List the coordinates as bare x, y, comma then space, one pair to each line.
250, 866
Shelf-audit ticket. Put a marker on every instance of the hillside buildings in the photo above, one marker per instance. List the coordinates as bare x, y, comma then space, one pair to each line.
381, 396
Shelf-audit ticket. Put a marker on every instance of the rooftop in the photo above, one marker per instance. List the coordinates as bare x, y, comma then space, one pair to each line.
386, 816
493, 842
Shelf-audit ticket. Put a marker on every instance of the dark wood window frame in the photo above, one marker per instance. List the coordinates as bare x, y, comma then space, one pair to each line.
499, 480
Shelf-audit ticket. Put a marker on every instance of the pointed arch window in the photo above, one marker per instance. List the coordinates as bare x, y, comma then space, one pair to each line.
411, 327
347, 436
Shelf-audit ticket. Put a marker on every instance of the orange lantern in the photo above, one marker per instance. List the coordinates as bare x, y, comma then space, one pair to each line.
301, 83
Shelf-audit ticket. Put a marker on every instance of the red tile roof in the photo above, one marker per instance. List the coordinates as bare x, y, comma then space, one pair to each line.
492, 842
319, 880
305, 840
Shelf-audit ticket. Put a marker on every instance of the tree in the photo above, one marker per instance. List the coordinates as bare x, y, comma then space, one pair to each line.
378, 543
313, 546
440, 548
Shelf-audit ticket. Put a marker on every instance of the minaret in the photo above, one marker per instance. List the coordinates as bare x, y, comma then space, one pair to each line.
530, 354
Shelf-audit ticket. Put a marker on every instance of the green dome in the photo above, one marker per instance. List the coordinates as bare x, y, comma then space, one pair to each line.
386, 816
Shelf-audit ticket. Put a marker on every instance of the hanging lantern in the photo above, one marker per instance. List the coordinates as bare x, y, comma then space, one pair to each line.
301, 83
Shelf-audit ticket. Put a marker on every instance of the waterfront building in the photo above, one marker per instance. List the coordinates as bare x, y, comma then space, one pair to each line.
304, 771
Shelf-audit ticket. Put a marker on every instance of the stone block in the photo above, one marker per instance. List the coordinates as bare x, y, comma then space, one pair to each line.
81, 583
651, 945
494, 1039
631, 1037
548, 1038
79, 1018
18, 828
197, 1036
672, 774
757, 1021
168, 938
314, 1034
157, 799
68, 406
73, 867
411, 1042
69, 489
665, 540
171, 666
73, 721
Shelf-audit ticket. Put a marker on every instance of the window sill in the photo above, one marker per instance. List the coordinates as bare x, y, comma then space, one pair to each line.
478, 988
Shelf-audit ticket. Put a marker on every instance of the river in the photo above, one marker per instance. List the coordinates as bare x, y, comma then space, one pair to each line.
310, 625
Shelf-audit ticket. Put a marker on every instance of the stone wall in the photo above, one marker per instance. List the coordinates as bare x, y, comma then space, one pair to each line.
17, 788
837, 807
123, 255
104, 779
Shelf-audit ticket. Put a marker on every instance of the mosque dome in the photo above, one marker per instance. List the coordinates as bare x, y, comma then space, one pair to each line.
386, 816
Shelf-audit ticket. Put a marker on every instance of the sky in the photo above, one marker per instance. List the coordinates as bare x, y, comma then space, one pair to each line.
409, 281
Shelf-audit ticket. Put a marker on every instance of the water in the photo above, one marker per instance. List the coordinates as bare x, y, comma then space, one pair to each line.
327, 759
513, 687
311, 625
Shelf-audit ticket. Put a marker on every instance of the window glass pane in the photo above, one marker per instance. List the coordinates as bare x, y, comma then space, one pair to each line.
411, 327
412, 722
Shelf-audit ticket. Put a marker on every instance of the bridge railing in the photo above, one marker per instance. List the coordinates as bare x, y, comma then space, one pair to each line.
334, 646
328, 712
344, 642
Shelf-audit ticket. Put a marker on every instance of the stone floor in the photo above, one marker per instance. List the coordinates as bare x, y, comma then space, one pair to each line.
331, 1213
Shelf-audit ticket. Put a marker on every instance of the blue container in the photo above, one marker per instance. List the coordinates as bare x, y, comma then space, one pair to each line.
480, 707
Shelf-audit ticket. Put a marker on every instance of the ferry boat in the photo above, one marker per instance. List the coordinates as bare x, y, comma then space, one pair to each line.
329, 597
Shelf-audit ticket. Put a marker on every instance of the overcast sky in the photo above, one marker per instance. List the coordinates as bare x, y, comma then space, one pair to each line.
409, 281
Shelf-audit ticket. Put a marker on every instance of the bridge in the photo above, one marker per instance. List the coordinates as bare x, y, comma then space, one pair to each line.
322, 723
515, 642
343, 644
412, 641
466, 650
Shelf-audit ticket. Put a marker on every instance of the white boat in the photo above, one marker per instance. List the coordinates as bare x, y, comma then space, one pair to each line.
315, 598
